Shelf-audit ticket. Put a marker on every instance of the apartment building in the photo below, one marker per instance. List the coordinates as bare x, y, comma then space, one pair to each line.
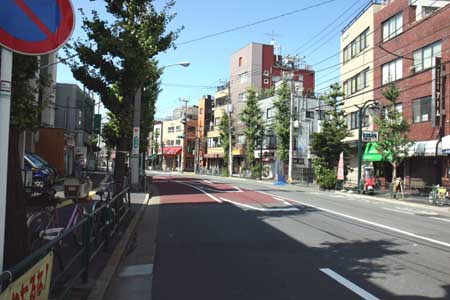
413, 52
260, 66
357, 74
213, 158
205, 115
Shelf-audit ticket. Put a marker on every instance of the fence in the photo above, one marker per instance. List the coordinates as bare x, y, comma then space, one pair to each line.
71, 265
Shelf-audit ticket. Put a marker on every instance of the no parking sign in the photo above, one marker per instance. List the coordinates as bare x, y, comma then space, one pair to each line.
35, 27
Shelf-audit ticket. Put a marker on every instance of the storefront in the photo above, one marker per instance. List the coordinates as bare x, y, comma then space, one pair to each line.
171, 158
214, 161
268, 163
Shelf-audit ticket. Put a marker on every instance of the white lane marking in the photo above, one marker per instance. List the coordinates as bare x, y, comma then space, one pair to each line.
238, 190
441, 219
282, 200
399, 211
259, 208
199, 189
410, 234
337, 196
207, 181
350, 285
137, 270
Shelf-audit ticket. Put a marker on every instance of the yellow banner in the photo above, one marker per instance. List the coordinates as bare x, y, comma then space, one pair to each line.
34, 284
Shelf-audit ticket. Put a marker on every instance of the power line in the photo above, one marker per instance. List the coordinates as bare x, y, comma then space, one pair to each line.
256, 23
325, 28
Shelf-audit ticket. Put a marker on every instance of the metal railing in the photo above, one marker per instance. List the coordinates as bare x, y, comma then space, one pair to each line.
97, 232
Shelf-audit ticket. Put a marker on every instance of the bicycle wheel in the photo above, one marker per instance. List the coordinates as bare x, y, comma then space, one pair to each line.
37, 224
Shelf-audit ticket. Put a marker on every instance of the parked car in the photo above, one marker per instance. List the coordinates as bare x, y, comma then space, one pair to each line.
43, 161
42, 175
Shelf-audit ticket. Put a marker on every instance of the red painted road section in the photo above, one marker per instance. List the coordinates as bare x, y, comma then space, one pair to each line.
176, 190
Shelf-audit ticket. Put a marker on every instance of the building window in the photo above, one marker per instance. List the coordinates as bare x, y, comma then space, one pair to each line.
243, 78
241, 139
422, 109
214, 142
353, 120
171, 129
356, 83
269, 113
178, 128
392, 71
240, 61
310, 114
191, 129
398, 108
428, 10
392, 27
157, 131
201, 111
322, 114
242, 97
178, 142
356, 46
425, 58
216, 121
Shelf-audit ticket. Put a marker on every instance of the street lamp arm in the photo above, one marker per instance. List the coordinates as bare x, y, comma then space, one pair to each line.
183, 64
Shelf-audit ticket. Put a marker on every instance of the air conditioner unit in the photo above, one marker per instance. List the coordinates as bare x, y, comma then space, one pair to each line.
266, 73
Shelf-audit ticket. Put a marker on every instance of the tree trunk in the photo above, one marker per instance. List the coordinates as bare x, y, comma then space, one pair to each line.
16, 243
119, 170
394, 171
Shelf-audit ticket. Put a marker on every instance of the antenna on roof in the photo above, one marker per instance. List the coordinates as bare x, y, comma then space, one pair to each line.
277, 48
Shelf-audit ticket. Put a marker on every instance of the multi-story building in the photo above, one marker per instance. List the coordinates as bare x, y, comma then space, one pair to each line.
213, 159
155, 141
260, 66
179, 135
357, 71
413, 52
75, 113
205, 114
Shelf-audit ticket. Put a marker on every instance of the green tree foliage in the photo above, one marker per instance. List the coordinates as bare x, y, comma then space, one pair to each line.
118, 57
328, 144
282, 121
393, 142
251, 116
27, 104
224, 129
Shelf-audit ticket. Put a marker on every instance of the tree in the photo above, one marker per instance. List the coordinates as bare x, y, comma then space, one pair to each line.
224, 129
26, 110
251, 116
328, 144
118, 58
282, 120
393, 143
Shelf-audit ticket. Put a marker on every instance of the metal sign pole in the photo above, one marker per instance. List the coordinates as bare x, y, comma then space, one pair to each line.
5, 108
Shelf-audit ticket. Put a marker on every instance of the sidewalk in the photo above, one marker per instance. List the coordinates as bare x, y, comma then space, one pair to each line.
128, 274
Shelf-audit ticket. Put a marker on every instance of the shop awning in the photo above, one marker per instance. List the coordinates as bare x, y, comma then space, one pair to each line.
425, 148
214, 155
153, 156
172, 150
446, 144
371, 153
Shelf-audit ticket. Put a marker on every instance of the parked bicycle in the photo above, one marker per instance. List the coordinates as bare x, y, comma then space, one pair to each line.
439, 196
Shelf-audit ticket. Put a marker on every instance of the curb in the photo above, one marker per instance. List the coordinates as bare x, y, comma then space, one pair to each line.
102, 283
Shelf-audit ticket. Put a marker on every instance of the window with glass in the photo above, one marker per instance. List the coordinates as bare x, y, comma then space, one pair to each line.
425, 58
178, 128
393, 27
214, 142
241, 139
178, 142
356, 83
242, 97
398, 108
422, 109
310, 114
171, 129
353, 120
356, 46
270, 113
216, 121
392, 71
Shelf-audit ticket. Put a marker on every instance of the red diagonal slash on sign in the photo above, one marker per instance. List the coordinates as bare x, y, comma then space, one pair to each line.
53, 40
33, 17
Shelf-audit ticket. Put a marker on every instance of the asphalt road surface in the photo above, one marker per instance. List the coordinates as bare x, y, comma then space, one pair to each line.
221, 238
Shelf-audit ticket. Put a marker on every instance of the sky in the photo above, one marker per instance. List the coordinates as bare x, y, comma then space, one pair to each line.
312, 33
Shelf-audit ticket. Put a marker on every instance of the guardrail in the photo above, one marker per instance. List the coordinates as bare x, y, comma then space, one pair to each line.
97, 229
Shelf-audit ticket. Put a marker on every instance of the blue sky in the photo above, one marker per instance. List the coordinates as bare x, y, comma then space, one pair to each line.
210, 57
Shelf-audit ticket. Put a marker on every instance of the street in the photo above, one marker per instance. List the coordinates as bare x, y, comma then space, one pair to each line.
220, 238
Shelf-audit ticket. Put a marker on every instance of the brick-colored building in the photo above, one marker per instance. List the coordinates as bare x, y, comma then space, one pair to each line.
409, 35
205, 115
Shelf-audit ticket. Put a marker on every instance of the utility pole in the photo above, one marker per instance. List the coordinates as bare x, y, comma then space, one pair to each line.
135, 141
230, 130
292, 60
184, 122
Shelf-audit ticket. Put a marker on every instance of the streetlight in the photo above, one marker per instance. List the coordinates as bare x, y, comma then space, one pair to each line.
136, 126
372, 104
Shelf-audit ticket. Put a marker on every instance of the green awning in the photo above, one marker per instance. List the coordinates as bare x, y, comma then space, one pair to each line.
153, 156
371, 153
